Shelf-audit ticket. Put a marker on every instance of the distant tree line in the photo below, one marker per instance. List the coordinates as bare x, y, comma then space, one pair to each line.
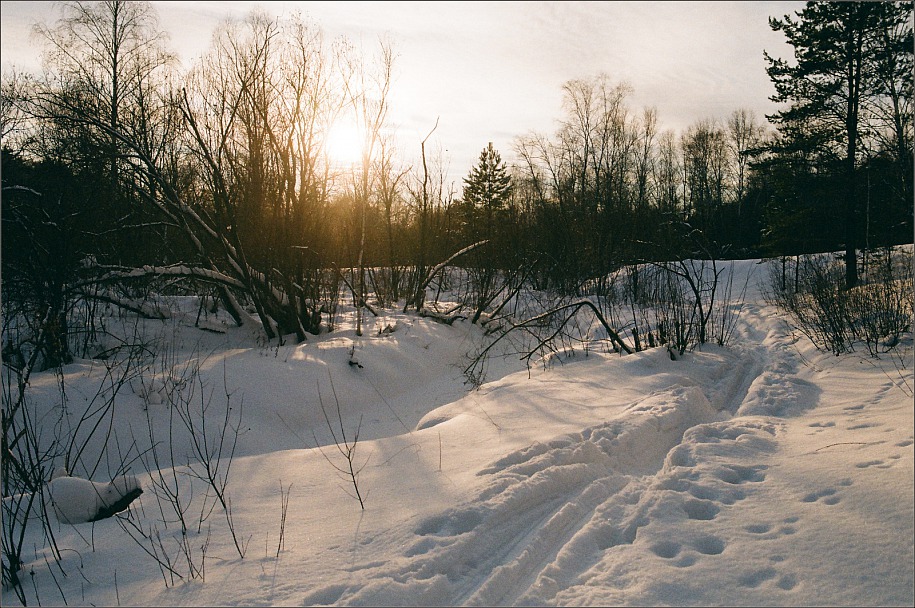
122, 174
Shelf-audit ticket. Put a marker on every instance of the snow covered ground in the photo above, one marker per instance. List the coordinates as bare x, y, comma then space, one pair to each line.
762, 473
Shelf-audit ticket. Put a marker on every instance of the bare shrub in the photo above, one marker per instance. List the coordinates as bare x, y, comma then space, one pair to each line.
345, 445
38, 438
816, 301
683, 304
877, 313
202, 435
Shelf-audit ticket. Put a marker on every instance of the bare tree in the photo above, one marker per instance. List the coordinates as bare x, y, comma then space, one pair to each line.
103, 53
668, 174
744, 134
367, 92
14, 91
705, 167
890, 112
587, 178
390, 185
423, 198
647, 132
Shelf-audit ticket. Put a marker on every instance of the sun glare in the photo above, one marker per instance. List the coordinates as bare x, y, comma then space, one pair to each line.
344, 144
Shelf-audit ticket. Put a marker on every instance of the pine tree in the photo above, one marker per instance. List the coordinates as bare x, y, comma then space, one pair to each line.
837, 49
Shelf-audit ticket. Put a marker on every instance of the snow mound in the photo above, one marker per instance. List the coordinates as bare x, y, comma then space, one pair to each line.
76, 500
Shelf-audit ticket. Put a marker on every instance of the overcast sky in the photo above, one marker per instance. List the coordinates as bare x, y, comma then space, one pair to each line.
492, 71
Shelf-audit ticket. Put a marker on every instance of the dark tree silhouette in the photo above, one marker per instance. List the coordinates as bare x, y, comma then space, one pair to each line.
838, 47
488, 187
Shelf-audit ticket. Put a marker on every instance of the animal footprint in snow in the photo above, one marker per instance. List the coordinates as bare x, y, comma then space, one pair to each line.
821, 425
826, 496
766, 531
700, 509
709, 545
868, 463
736, 474
863, 425
685, 561
756, 578
666, 548
788, 529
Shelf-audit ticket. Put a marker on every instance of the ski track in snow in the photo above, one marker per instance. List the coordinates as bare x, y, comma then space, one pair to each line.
552, 512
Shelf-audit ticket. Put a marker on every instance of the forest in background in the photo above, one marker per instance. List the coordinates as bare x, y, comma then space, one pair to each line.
123, 176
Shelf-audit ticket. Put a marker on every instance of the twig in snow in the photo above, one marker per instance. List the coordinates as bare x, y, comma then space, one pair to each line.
346, 447
844, 443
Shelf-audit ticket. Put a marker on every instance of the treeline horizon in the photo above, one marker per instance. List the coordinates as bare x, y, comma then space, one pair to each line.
118, 168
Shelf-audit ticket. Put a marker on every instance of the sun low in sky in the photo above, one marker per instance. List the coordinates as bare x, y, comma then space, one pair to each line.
344, 144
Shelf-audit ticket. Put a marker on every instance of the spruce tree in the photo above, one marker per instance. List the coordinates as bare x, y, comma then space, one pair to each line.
486, 217
487, 189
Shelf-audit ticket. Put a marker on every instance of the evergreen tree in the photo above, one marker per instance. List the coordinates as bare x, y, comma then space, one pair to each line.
484, 208
488, 187
838, 48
